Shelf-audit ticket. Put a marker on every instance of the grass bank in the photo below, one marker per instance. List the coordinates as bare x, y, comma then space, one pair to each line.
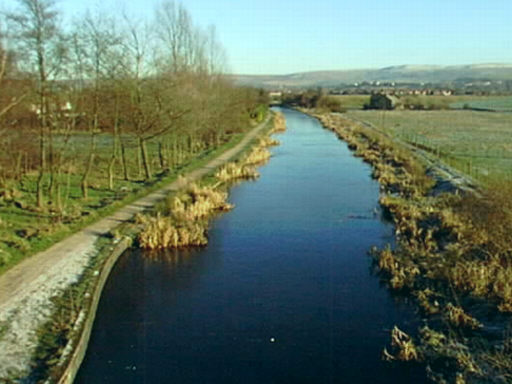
453, 257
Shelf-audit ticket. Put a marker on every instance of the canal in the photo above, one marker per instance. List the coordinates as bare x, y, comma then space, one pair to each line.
283, 293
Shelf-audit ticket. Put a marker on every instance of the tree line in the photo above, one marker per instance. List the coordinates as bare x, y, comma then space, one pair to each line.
314, 99
109, 98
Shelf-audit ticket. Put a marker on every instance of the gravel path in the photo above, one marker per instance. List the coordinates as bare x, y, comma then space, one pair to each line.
26, 289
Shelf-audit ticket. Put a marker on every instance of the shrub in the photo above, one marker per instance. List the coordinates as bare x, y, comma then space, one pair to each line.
331, 104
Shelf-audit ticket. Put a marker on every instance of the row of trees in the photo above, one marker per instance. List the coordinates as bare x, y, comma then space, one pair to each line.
314, 98
124, 85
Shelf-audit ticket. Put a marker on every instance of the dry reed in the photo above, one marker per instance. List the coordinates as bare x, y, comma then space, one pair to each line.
186, 223
403, 347
162, 232
258, 156
279, 123
236, 171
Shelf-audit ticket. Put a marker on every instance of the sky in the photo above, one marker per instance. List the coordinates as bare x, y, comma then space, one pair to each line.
289, 36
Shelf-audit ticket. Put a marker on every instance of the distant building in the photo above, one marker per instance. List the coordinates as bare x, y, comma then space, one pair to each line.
275, 97
275, 94
383, 101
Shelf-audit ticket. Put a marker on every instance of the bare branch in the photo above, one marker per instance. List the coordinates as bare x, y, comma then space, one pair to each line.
12, 104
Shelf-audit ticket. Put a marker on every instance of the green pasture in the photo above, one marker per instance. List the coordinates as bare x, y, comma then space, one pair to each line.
476, 143
498, 104
436, 102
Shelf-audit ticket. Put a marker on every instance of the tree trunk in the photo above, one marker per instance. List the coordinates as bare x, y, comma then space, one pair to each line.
92, 151
139, 162
51, 165
68, 184
18, 171
174, 153
123, 160
161, 156
58, 199
84, 185
111, 164
40, 177
113, 158
145, 158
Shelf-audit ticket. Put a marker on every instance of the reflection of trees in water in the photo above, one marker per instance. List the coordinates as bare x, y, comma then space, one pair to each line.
173, 257
174, 269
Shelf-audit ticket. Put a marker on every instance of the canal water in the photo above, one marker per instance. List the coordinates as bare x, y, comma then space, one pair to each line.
283, 293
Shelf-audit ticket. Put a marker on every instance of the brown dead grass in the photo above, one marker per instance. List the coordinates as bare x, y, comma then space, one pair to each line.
279, 123
186, 222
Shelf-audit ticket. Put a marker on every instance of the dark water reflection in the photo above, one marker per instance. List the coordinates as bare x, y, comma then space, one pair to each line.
282, 294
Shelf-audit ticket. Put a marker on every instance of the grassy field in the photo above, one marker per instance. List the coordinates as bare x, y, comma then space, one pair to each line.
497, 103
476, 143
352, 101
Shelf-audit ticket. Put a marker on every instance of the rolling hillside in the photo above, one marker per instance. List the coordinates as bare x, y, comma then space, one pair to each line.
402, 73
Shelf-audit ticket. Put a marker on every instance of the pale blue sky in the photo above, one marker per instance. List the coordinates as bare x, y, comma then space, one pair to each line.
285, 36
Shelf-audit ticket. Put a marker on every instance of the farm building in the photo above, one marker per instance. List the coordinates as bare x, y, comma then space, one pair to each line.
383, 101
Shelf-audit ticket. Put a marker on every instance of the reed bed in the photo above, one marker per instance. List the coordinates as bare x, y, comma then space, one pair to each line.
196, 203
451, 248
162, 232
268, 141
258, 156
236, 171
245, 168
185, 219
403, 347
279, 123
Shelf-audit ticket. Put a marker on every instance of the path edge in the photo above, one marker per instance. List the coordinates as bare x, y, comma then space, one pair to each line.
77, 357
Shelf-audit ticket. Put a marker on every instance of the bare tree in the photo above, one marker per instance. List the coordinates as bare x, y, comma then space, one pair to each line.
216, 57
152, 112
98, 41
39, 37
6, 68
174, 29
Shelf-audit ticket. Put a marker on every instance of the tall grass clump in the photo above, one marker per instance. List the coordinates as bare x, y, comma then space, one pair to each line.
196, 203
236, 171
279, 123
183, 220
268, 141
258, 156
245, 168
162, 232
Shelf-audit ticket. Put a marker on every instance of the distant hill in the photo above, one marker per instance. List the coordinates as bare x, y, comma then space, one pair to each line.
401, 73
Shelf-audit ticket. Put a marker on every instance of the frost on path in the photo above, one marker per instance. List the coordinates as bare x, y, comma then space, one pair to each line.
22, 315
